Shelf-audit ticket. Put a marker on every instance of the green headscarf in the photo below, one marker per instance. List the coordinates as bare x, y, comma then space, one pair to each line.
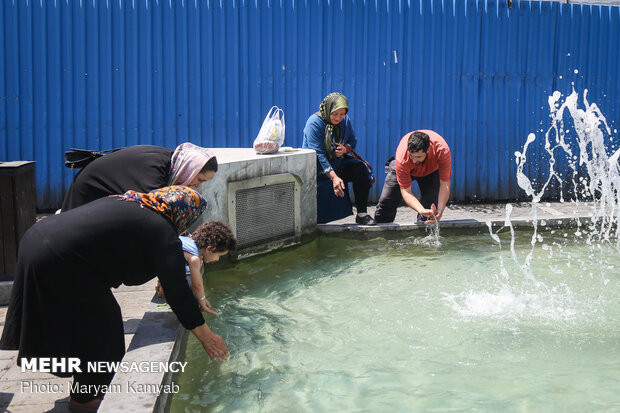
330, 104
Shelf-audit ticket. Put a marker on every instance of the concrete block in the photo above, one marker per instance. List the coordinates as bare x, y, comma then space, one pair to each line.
239, 164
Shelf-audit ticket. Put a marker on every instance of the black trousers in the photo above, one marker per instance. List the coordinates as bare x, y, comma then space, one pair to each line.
390, 195
357, 173
63, 309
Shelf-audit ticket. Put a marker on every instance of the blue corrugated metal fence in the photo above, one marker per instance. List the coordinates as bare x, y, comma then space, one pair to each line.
103, 74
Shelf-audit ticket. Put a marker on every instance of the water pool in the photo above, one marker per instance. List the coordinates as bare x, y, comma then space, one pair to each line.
380, 325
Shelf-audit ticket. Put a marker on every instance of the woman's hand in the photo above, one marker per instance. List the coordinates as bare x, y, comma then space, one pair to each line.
205, 306
215, 347
212, 343
337, 183
338, 186
340, 150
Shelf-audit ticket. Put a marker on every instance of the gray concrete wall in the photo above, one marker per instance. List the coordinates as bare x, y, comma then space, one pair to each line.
238, 164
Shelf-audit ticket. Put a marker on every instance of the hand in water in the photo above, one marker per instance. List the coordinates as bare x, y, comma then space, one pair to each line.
216, 348
432, 216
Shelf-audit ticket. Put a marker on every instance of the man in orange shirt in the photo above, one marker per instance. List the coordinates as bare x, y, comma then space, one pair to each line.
422, 155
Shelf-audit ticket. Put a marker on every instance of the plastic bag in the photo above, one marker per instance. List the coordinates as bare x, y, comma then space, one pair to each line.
271, 134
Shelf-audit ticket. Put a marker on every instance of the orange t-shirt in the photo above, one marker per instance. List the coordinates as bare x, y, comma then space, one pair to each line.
438, 157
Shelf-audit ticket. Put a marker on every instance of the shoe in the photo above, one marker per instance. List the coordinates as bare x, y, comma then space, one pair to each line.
365, 220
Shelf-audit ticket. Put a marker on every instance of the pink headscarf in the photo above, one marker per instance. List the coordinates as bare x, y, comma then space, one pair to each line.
187, 161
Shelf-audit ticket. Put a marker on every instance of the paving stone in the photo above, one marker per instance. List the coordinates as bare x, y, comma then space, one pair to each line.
14, 373
5, 365
8, 354
34, 395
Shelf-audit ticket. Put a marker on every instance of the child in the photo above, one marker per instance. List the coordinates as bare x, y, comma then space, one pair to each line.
207, 244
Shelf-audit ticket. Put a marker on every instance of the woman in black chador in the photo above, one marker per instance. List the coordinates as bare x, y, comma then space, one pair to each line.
141, 168
61, 304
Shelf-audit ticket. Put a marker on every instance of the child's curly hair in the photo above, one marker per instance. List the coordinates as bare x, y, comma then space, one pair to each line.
215, 234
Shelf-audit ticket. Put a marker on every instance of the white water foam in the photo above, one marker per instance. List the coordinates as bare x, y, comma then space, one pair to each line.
507, 303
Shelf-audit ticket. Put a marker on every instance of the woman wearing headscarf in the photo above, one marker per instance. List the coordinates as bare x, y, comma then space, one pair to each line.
62, 304
140, 168
330, 133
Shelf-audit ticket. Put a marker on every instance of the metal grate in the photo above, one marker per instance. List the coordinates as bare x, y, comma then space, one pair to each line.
265, 213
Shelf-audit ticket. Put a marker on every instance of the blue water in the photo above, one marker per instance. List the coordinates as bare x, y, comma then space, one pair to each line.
456, 323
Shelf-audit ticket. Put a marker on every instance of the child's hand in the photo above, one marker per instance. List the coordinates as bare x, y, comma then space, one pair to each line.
205, 306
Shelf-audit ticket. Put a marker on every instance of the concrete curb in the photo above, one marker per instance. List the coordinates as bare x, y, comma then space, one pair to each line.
444, 225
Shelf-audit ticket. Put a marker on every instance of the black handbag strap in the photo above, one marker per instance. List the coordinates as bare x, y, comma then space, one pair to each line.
78, 158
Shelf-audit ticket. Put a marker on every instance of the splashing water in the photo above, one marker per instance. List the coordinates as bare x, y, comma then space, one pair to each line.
594, 177
432, 238
599, 183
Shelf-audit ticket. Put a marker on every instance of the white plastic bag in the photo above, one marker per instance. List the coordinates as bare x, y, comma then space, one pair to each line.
271, 134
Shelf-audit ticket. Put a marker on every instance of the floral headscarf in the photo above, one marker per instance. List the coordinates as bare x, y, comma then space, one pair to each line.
187, 161
180, 204
330, 104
